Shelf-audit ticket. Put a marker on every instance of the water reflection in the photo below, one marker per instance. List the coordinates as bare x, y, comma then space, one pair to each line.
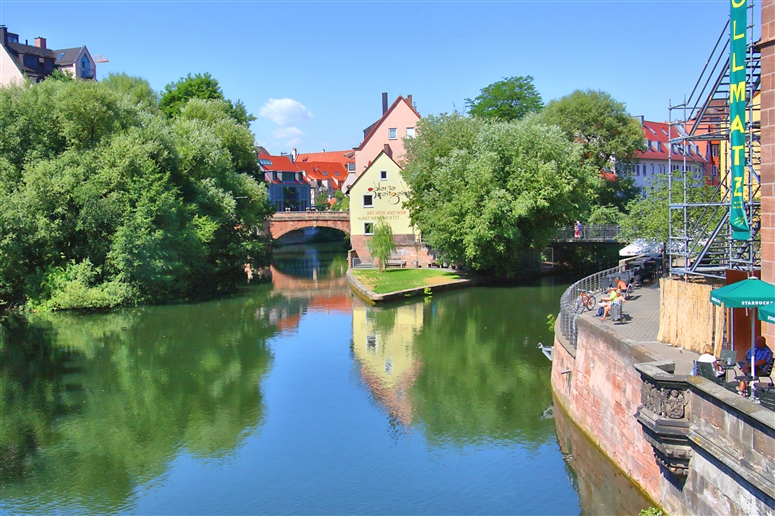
460, 366
383, 345
601, 487
93, 405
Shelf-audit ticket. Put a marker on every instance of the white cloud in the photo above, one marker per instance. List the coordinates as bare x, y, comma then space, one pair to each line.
287, 132
285, 112
293, 142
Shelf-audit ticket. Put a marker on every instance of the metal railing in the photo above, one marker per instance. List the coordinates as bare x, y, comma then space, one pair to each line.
594, 284
590, 233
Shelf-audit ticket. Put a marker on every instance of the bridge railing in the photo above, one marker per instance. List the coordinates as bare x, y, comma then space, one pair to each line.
590, 233
569, 312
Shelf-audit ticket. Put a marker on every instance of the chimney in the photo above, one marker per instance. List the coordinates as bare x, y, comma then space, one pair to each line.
388, 150
384, 103
3, 32
409, 99
294, 155
40, 42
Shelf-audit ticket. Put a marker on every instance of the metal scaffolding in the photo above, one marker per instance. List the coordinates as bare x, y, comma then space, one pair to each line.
700, 237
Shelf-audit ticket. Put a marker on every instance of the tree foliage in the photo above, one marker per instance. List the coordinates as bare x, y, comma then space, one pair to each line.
608, 134
203, 87
381, 244
106, 202
342, 202
485, 193
648, 216
510, 99
321, 202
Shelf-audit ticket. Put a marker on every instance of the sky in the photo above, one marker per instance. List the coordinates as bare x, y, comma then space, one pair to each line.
313, 72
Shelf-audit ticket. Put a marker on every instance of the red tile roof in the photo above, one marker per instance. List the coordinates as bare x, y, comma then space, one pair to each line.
344, 157
321, 171
276, 163
657, 132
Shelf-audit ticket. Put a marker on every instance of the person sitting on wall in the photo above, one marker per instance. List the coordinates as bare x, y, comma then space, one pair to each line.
621, 286
762, 358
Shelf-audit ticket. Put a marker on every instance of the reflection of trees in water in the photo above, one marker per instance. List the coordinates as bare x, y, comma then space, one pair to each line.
483, 377
93, 405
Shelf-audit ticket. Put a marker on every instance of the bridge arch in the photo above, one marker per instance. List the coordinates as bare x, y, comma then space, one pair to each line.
284, 222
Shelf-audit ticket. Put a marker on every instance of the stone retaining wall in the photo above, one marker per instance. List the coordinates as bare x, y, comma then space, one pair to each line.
691, 445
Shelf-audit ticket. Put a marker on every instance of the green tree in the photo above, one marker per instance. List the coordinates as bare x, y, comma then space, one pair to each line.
105, 203
199, 86
137, 89
342, 202
381, 243
321, 202
610, 137
648, 216
510, 99
489, 194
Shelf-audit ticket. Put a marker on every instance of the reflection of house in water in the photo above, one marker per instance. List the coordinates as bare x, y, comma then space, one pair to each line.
383, 345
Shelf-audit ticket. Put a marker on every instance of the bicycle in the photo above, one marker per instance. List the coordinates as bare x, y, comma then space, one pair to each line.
585, 300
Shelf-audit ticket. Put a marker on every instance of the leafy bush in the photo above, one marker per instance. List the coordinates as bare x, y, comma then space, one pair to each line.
104, 201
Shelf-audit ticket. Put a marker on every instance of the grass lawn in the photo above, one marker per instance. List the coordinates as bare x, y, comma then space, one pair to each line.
393, 280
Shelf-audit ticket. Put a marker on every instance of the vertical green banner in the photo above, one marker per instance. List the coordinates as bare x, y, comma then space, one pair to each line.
737, 90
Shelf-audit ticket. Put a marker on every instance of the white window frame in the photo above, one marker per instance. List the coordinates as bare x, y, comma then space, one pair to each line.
383, 175
410, 132
365, 231
371, 204
393, 133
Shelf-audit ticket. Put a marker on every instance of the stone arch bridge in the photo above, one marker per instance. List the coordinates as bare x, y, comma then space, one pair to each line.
286, 221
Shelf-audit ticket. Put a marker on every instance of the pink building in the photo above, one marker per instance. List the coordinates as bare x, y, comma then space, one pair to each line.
387, 134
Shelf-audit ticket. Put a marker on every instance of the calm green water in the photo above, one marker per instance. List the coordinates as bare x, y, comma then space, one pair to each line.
296, 398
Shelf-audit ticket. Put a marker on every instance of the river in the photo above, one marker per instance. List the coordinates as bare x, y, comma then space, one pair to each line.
297, 398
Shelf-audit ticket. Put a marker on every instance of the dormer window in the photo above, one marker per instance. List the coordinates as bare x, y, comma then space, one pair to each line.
85, 67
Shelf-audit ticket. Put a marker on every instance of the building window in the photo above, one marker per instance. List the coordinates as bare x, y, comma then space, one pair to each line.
368, 228
383, 175
714, 148
368, 201
410, 132
85, 66
652, 169
351, 167
393, 133
289, 176
31, 62
336, 172
325, 173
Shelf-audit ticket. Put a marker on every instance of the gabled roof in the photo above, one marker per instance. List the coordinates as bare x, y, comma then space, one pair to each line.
371, 165
369, 131
69, 55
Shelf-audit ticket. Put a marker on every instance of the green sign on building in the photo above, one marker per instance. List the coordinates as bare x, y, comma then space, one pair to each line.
737, 105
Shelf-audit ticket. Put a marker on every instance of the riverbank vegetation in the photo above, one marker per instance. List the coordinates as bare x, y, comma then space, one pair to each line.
395, 280
489, 190
107, 201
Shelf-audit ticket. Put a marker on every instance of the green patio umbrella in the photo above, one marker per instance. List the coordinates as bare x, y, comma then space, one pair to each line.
748, 293
767, 313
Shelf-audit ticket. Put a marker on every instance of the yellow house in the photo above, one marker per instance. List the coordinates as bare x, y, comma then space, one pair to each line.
381, 192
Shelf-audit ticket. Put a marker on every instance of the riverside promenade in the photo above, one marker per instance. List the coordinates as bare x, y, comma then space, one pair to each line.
641, 325
690, 444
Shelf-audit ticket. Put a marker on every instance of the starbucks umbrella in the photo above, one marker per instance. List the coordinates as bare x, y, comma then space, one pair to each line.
767, 313
749, 293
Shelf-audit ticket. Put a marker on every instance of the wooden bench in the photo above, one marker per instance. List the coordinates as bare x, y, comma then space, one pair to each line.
395, 263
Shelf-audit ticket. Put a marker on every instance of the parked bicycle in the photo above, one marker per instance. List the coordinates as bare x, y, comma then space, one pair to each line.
585, 301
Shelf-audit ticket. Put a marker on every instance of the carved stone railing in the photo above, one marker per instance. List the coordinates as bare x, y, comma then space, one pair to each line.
664, 416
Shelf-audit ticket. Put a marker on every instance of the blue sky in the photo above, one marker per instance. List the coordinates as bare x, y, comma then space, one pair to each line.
313, 72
